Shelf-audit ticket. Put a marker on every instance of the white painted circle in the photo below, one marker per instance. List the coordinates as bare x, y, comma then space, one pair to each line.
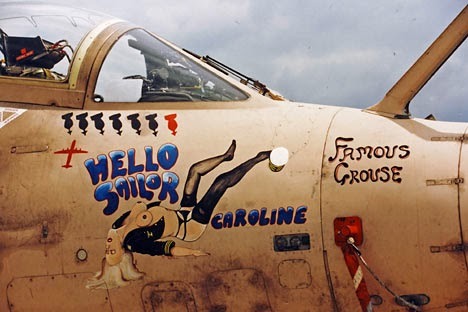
279, 156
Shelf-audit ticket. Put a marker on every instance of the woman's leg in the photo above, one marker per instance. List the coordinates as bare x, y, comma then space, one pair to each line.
204, 209
198, 170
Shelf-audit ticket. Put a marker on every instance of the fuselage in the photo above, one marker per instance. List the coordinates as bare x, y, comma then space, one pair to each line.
72, 163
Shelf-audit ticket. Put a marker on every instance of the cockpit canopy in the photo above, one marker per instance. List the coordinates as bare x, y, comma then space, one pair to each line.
141, 68
43, 41
38, 40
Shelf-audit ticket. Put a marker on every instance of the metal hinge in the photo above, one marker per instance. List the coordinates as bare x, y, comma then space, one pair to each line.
456, 304
444, 181
450, 248
462, 139
29, 149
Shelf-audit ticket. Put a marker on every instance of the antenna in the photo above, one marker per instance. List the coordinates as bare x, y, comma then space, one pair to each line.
395, 104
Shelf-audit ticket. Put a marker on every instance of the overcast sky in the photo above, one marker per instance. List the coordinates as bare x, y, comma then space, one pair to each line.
335, 52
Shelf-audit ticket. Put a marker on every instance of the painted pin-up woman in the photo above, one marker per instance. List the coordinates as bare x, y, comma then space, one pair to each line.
148, 229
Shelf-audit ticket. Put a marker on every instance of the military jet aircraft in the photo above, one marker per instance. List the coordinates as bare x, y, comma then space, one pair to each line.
138, 176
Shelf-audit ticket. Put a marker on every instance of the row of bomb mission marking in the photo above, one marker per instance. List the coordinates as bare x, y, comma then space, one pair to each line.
136, 122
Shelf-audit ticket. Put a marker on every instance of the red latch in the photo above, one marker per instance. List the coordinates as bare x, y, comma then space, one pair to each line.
346, 227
